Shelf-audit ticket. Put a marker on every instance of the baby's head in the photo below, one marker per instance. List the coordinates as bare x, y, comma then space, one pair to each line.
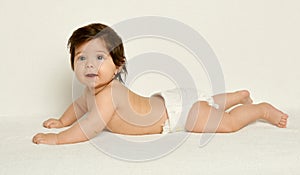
111, 39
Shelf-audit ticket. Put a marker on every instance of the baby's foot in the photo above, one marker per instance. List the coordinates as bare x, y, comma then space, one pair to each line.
274, 116
245, 97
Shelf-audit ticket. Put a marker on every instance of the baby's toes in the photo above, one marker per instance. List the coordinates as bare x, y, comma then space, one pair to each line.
281, 124
285, 117
283, 121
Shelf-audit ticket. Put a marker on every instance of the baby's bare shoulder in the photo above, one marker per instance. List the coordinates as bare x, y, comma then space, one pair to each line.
112, 94
122, 96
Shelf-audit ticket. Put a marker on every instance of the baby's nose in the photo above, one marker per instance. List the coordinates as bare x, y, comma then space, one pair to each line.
93, 64
89, 65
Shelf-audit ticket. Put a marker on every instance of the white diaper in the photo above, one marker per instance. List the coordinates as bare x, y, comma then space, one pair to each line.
178, 103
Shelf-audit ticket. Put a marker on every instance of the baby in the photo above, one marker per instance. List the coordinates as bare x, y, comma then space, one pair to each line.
97, 58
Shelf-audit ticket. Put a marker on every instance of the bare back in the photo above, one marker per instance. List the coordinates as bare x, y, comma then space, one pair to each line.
134, 114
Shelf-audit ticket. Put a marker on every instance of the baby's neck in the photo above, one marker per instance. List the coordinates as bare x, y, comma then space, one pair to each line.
96, 90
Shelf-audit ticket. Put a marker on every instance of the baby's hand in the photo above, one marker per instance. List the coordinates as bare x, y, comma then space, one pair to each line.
53, 123
50, 139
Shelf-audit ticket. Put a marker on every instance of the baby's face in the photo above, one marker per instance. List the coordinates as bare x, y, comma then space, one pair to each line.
93, 64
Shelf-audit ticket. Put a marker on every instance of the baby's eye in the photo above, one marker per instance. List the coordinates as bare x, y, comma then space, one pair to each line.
100, 58
81, 58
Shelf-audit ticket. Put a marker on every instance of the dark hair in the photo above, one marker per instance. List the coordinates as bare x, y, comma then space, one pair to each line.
112, 41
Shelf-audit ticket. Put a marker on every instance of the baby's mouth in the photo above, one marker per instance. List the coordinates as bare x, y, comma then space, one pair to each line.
91, 75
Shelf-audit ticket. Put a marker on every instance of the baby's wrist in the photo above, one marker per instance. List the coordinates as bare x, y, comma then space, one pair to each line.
61, 122
57, 142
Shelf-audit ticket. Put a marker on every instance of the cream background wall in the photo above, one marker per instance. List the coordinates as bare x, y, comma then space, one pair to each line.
256, 42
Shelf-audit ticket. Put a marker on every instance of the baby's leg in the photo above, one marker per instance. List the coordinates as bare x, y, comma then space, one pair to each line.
232, 99
204, 118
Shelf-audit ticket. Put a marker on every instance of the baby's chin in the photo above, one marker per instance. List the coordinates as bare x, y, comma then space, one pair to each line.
90, 85
94, 84
87, 83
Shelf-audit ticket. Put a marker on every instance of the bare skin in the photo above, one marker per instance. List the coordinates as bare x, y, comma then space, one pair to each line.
107, 103
113, 118
231, 121
110, 105
204, 118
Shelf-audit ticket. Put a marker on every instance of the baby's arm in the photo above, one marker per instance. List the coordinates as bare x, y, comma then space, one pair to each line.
74, 112
86, 128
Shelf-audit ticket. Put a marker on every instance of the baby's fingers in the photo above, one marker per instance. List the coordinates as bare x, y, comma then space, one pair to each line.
41, 138
49, 123
38, 138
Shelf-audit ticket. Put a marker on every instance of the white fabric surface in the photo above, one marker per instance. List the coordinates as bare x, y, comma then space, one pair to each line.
257, 149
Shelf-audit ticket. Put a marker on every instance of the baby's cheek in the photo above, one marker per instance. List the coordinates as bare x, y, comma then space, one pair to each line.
99, 66
79, 76
106, 67
78, 66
